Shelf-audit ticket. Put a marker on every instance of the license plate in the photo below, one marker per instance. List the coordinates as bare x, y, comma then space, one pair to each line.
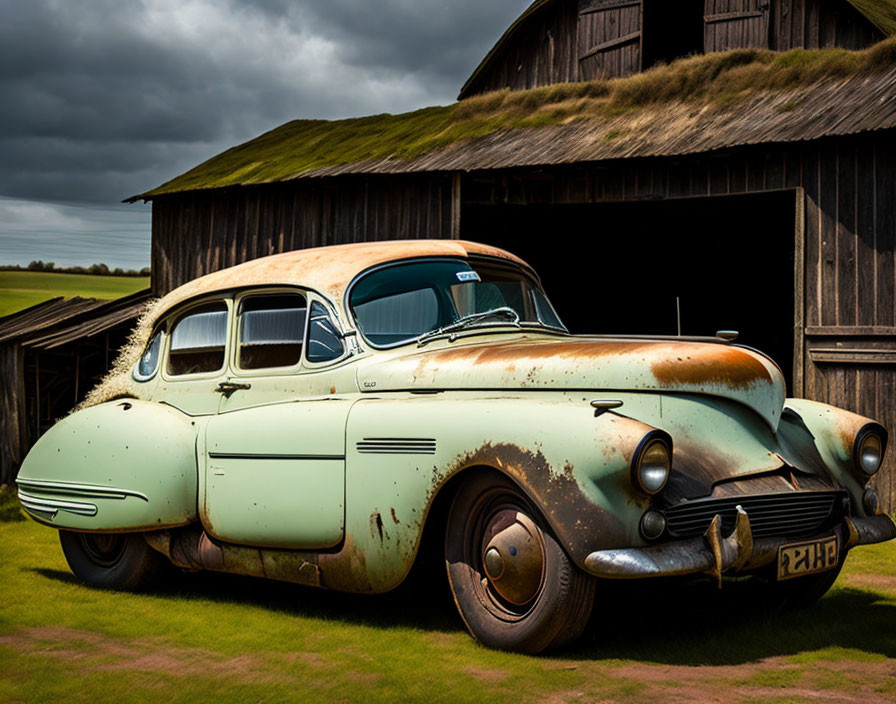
799, 559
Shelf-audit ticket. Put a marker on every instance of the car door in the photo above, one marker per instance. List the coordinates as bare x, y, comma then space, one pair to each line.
196, 355
275, 453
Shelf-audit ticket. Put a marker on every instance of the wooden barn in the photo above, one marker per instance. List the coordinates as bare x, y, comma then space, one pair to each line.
754, 186
557, 41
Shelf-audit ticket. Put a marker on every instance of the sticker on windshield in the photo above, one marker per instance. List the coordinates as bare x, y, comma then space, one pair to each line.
468, 276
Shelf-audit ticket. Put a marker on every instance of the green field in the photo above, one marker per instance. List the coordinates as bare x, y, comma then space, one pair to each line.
226, 639
22, 289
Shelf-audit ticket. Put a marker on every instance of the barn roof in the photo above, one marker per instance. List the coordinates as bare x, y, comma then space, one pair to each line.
699, 104
881, 13
59, 321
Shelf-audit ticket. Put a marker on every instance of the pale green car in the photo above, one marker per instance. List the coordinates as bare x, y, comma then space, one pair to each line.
310, 416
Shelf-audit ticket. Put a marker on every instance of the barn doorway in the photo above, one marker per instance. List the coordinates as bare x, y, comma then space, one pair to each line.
671, 30
618, 268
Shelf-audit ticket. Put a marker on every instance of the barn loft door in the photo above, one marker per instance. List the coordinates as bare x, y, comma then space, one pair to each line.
609, 38
736, 24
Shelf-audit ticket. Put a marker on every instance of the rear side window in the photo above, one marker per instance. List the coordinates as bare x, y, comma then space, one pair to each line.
324, 340
149, 361
198, 341
271, 331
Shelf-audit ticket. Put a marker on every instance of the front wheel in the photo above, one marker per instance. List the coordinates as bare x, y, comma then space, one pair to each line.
112, 560
513, 584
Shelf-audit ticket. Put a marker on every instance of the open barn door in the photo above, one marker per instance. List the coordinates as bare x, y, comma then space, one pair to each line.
736, 24
609, 38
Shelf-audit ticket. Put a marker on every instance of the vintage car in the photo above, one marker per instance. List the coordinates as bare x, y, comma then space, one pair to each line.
309, 416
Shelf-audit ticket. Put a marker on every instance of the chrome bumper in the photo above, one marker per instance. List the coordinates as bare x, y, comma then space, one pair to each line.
715, 555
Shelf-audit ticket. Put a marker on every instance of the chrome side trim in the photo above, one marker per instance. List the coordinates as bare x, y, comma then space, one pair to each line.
51, 507
77, 490
250, 456
397, 446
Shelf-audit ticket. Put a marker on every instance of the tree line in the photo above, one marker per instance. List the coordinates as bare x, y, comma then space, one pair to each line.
93, 269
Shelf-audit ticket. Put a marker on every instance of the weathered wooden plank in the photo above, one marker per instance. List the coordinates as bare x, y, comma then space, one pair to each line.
811, 186
885, 231
846, 274
828, 202
865, 235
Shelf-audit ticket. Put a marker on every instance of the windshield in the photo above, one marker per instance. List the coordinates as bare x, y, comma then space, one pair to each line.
402, 302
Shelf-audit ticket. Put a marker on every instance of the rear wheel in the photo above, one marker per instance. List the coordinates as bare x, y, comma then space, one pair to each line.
112, 560
513, 584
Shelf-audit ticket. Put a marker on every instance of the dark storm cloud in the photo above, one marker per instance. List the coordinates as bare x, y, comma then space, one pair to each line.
100, 96
102, 99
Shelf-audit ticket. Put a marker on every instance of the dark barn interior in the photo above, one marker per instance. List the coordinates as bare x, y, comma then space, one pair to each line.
671, 30
619, 267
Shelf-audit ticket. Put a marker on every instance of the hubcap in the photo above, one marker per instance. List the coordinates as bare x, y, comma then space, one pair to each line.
103, 549
513, 556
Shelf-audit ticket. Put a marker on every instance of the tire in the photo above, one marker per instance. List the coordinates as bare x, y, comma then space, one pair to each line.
513, 584
113, 560
803, 592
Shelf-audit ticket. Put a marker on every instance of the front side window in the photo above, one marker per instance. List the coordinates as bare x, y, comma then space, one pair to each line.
403, 302
198, 341
149, 361
324, 340
272, 328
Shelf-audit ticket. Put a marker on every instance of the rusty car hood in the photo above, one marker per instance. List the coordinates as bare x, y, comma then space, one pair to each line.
588, 363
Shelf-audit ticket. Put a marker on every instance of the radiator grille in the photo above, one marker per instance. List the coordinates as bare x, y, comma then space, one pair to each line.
796, 514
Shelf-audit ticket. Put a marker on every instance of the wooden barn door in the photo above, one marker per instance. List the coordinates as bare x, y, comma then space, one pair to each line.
736, 24
609, 38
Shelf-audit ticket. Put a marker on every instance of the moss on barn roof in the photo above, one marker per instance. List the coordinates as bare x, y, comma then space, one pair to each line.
304, 147
882, 13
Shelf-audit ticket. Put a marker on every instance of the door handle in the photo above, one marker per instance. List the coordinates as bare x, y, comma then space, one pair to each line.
228, 388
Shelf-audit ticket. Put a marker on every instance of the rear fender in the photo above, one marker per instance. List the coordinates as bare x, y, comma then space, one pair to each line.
123, 466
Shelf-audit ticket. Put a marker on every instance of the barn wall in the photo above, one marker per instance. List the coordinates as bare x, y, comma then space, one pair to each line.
12, 410
815, 24
583, 40
736, 24
197, 233
609, 39
542, 52
846, 313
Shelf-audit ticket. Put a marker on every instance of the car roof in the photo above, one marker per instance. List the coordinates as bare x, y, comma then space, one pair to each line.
328, 270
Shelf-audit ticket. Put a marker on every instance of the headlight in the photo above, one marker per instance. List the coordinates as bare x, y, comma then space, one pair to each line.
868, 450
871, 501
652, 463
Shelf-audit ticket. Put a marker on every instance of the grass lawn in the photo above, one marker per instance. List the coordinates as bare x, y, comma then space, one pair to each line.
22, 289
215, 637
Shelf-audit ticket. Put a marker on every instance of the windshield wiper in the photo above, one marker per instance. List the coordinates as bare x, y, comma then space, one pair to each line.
467, 320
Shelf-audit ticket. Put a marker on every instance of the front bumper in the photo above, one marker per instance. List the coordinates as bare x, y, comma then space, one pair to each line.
716, 555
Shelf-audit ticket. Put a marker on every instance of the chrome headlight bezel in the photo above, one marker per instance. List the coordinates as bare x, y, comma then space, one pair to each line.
870, 442
647, 457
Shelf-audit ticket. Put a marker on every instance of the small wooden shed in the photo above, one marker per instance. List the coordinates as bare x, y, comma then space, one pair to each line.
51, 355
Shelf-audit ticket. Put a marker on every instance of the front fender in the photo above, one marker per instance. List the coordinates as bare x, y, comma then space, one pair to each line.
126, 465
819, 438
402, 451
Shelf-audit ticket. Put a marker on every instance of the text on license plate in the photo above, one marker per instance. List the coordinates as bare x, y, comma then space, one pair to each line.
798, 559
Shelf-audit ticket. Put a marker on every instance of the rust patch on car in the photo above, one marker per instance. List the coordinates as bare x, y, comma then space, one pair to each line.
697, 365
345, 570
394, 517
376, 525
581, 525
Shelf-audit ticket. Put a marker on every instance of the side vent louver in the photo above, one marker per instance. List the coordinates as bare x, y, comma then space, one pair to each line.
397, 446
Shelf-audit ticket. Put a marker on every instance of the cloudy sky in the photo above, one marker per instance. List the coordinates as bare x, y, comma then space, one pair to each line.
103, 99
